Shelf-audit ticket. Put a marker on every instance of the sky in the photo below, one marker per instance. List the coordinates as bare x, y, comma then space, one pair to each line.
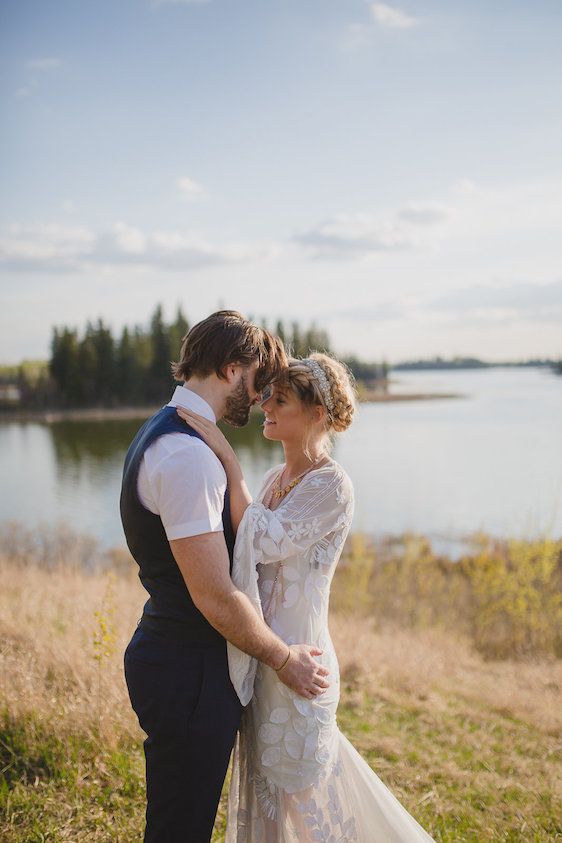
391, 171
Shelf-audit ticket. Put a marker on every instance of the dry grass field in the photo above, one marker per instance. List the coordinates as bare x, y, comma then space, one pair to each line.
471, 745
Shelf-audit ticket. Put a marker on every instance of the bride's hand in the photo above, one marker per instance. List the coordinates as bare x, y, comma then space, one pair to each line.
212, 435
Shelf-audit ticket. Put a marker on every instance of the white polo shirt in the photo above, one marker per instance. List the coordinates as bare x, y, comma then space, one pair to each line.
180, 478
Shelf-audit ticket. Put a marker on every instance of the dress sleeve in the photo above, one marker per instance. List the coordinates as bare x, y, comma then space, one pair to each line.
313, 522
320, 507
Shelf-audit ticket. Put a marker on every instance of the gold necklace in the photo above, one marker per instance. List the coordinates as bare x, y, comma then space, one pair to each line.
279, 492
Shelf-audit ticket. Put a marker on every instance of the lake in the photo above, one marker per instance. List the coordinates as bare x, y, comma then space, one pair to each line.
490, 460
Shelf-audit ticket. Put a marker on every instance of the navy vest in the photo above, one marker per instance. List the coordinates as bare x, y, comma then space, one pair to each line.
169, 609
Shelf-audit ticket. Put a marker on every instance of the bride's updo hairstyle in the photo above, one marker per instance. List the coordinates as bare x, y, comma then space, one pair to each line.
320, 380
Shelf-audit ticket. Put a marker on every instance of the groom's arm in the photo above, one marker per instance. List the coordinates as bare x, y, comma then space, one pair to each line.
204, 565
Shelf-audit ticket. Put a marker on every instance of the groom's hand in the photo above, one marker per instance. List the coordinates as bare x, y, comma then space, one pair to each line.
302, 673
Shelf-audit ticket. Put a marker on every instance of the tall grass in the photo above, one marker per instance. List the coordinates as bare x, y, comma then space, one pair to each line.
469, 743
505, 596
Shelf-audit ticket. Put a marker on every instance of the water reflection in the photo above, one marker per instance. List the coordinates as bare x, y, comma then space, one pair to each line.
491, 462
96, 449
75, 443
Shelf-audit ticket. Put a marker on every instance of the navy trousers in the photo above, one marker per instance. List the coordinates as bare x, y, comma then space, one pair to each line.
184, 700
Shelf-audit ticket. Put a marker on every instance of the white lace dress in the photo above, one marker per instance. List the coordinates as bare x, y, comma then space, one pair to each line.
295, 776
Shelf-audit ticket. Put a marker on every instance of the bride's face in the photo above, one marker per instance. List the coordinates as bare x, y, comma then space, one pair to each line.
286, 418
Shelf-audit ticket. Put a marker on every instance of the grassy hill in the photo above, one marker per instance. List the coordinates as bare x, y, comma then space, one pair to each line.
470, 745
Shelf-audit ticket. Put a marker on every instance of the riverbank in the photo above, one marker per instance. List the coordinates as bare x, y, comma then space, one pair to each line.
131, 413
470, 746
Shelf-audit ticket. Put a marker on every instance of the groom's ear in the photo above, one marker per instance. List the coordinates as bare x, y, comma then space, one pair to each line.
230, 372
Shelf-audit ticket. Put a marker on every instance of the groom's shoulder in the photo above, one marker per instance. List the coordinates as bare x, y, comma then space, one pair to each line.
174, 448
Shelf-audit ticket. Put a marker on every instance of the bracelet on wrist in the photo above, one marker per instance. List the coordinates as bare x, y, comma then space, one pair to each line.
277, 669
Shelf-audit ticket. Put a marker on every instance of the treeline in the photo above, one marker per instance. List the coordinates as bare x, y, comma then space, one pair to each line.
95, 369
441, 363
473, 363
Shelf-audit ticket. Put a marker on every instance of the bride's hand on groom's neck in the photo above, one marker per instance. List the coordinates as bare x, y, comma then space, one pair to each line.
211, 434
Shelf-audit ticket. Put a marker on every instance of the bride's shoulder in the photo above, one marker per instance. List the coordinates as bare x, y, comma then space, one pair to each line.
333, 474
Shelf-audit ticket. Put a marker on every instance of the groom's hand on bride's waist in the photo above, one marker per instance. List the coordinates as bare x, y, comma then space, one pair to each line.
302, 673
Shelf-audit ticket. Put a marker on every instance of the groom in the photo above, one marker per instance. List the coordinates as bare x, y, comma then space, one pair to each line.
176, 518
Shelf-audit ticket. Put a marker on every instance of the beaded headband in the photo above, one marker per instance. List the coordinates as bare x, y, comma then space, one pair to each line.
322, 381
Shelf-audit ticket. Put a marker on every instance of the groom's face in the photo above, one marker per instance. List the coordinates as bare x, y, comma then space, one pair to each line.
240, 400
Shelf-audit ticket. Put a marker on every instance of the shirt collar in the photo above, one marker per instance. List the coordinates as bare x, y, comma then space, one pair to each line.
184, 397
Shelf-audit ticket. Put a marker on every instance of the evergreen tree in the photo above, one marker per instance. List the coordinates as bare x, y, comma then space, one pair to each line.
280, 331
89, 367
129, 373
105, 364
64, 365
296, 343
178, 330
315, 340
159, 376
96, 370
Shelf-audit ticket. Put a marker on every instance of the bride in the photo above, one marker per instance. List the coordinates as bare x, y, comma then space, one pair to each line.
295, 776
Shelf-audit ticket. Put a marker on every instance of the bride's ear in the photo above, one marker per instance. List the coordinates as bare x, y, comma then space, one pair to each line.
318, 414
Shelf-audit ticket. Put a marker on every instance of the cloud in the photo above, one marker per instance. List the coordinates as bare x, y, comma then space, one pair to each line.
353, 236
59, 248
383, 311
503, 302
392, 17
357, 35
190, 189
129, 240
37, 67
350, 236
423, 214
42, 246
48, 63
485, 306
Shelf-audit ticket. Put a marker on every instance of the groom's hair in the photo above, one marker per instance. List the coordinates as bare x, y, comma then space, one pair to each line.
228, 337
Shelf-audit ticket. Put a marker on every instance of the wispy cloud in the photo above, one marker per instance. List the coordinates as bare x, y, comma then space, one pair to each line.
24, 91
351, 236
357, 35
392, 17
42, 64
26, 247
383, 311
477, 305
35, 69
54, 247
503, 302
190, 189
347, 236
428, 214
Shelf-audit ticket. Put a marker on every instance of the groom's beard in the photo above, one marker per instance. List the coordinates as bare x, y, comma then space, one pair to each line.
238, 404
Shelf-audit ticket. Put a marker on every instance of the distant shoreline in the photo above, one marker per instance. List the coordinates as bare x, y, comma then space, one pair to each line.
131, 413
